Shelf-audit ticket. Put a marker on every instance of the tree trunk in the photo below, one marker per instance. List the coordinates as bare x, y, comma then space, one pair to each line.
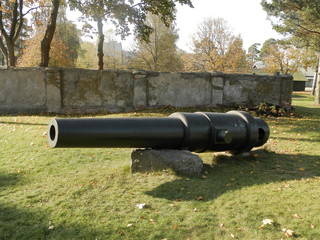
48, 36
100, 44
11, 36
4, 53
314, 81
11, 55
317, 97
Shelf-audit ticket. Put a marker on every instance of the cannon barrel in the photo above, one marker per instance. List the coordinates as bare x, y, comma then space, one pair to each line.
235, 131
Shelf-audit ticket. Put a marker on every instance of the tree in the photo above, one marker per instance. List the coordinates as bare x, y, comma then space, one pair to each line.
300, 20
2, 59
70, 35
214, 44
282, 59
210, 43
253, 54
266, 46
236, 59
59, 54
63, 49
12, 20
124, 13
49, 33
87, 55
160, 52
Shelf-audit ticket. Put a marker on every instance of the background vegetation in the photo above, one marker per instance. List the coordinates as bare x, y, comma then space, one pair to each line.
31, 29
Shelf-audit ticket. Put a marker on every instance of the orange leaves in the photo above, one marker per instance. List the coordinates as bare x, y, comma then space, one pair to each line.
175, 226
199, 198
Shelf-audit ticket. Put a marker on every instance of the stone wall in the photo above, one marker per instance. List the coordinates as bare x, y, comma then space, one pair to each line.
60, 90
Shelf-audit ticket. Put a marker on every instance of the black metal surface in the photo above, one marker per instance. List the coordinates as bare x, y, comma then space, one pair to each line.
235, 131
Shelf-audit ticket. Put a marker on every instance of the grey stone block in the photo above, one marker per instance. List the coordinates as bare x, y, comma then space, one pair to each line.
181, 161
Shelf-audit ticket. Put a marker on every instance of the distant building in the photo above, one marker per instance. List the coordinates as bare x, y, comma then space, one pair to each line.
299, 81
309, 74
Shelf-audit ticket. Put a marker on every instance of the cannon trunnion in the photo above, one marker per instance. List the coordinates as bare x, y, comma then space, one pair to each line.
235, 131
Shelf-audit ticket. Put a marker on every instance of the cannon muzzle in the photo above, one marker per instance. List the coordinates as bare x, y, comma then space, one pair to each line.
235, 131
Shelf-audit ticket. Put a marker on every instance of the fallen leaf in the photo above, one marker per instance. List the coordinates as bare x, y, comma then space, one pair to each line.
199, 198
195, 210
301, 169
204, 176
221, 225
232, 235
141, 205
296, 216
129, 224
288, 232
312, 226
175, 226
267, 221
152, 220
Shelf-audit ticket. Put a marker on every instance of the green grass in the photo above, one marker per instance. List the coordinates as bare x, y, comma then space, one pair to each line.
91, 194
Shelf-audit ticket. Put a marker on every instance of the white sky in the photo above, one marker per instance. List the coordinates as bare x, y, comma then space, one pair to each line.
245, 17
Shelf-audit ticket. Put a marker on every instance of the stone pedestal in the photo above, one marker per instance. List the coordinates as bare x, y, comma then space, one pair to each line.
181, 161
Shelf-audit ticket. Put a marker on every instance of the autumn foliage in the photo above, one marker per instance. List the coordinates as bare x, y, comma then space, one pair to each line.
59, 54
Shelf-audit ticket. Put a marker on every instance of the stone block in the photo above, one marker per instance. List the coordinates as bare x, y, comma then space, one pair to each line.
140, 93
181, 161
217, 97
53, 90
217, 82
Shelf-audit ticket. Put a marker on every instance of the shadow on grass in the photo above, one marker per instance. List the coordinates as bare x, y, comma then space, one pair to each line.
32, 223
26, 224
7, 180
299, 96
234, 173
313, 111
23, 123
297, 139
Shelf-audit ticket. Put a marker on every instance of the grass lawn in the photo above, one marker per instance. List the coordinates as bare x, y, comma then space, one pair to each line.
91, 194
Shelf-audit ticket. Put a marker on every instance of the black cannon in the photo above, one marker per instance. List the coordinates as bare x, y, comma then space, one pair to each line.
234, 131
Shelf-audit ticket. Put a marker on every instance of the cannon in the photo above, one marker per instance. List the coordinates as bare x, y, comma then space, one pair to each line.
234, 131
